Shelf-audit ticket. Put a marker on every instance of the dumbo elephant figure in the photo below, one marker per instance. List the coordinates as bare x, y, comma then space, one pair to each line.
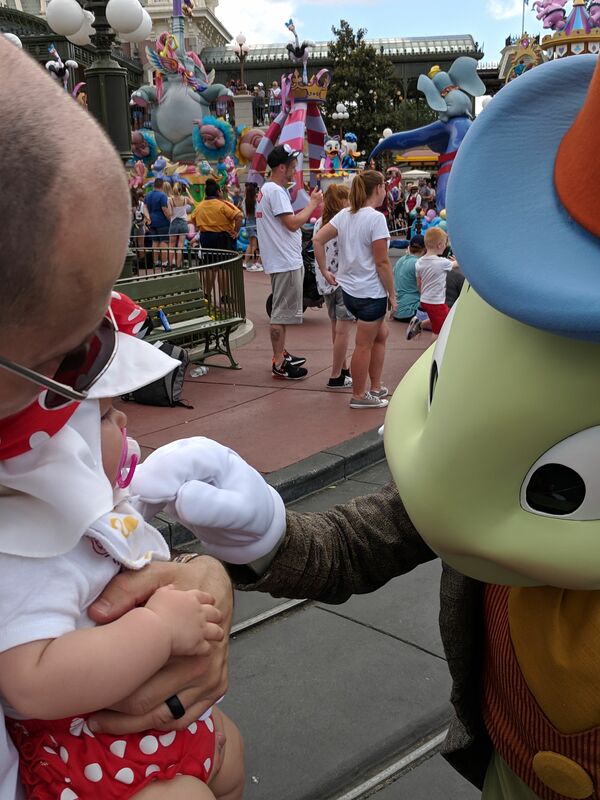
448, 93
181, 97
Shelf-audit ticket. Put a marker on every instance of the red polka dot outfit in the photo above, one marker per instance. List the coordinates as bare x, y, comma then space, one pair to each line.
64, 760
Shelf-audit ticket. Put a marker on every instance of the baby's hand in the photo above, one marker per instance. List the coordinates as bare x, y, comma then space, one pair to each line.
191, 618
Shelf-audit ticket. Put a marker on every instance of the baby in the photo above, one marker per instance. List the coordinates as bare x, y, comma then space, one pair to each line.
56, 667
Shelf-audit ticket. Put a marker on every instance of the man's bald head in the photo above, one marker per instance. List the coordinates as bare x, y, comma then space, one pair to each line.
54, 159
65, 212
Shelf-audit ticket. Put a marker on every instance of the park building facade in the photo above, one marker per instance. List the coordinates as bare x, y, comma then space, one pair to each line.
410, 56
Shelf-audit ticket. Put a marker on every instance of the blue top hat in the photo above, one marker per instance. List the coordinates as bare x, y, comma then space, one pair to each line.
520, 247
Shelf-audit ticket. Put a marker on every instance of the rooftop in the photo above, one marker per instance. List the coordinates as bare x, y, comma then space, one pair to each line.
407, 46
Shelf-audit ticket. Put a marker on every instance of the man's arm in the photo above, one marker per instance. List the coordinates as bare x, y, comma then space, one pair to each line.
293, 222
75, 673
198, 681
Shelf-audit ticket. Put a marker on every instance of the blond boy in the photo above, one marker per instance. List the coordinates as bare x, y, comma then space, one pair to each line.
431, 271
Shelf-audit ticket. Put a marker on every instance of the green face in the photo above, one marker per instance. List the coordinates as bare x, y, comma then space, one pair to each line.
501, 472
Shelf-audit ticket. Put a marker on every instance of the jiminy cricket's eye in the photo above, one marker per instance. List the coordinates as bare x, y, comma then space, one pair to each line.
565, 480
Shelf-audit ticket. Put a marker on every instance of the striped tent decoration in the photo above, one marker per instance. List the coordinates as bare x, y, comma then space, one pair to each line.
299, 120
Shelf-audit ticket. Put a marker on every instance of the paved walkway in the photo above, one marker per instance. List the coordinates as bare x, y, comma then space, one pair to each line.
272, 423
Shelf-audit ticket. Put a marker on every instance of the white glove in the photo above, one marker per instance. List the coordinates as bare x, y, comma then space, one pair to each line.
211, 490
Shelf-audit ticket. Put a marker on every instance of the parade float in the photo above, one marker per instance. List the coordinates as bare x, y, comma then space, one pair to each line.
299, 120
300, 123
180, 96
186, 133
451, 95
528, 54
575, 32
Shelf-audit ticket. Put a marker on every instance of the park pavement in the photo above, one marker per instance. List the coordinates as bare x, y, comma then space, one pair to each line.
335, 702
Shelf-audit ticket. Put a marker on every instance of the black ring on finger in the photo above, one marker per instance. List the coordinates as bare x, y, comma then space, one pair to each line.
175, 707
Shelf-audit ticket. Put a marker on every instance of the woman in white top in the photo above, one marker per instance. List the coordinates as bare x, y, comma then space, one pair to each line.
342, 321
178, 228
365, 275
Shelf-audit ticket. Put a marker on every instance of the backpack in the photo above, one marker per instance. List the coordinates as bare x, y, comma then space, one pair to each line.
165, 391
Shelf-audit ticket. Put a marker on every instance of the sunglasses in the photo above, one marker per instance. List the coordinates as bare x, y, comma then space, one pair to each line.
78, 371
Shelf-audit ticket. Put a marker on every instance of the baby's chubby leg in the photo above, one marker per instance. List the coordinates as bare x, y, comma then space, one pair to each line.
228, 777
181, 788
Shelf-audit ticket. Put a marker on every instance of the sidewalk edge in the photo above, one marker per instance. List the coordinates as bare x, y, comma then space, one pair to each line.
334, 464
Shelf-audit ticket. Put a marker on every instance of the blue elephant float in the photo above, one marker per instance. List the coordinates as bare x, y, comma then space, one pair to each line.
450, 94
179, 99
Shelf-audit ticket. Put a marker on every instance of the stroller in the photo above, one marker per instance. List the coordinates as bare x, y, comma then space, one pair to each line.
310, 293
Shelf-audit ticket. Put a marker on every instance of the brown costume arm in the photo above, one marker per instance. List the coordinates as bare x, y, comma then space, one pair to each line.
351, 549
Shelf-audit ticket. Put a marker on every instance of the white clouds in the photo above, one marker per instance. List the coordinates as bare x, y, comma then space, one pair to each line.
505, 9
262, 21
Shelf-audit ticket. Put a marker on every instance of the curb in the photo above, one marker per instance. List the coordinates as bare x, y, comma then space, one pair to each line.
331, 465
300, 479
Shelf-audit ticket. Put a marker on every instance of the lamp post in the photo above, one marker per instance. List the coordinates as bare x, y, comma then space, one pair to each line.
99, 23
241, 50
341, 114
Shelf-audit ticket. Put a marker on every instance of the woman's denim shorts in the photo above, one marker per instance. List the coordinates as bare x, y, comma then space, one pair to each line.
366, 309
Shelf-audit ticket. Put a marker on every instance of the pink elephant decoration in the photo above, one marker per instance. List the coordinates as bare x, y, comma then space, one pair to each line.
552, 12
248, 144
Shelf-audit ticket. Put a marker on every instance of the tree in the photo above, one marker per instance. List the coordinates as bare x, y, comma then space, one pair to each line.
363, 79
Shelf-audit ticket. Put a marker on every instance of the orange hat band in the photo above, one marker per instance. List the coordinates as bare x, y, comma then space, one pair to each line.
577, 167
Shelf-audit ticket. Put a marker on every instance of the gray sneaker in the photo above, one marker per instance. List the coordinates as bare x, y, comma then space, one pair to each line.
368, 401
380, 393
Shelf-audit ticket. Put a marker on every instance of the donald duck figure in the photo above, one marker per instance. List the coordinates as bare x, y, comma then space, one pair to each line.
332, 160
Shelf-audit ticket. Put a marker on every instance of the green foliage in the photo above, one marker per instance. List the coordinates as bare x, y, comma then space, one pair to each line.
363, 79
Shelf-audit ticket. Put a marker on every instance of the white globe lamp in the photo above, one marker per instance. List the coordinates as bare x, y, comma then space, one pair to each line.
65, 17
142, 33
387, 132
125, 16
82, 37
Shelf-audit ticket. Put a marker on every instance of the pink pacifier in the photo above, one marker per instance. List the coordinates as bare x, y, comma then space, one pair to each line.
130, 458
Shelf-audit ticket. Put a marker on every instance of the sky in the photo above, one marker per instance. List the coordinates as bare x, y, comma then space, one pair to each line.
489, 21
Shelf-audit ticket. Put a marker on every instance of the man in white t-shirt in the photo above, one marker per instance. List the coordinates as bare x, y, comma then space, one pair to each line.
50, 313
280, 242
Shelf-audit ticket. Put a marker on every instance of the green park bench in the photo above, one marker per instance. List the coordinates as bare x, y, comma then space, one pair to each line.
203, 306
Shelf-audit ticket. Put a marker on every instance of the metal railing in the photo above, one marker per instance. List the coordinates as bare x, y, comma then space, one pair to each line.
220, 272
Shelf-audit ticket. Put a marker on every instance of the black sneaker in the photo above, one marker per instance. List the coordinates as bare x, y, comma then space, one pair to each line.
341, 382
288, 372
294, 361
346, 373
